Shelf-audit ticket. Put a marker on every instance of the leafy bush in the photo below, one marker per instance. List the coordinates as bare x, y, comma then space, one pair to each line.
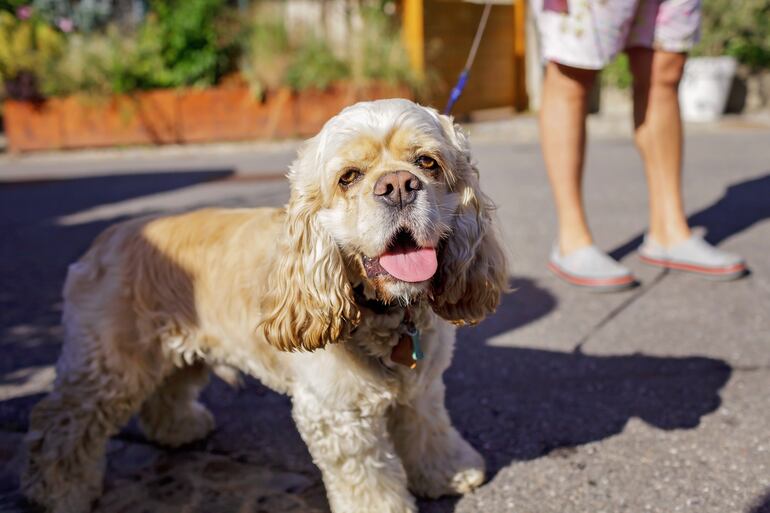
85, 15
29, 50
740, 29
183, 43
101, 64
617, 73
266, 55
315, 65
185, 34
378, 52
304, 59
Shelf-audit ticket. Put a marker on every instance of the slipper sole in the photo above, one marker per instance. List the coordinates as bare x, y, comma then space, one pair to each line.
730, 272
594, 284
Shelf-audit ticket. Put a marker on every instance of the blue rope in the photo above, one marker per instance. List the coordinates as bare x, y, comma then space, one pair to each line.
457, 90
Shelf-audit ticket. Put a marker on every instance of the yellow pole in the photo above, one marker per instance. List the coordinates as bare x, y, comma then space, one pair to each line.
520, 100
414, 34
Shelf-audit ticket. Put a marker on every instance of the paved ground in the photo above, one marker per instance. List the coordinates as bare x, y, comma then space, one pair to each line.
657, 399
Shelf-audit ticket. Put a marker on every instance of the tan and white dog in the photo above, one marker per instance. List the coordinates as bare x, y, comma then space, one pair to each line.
386, 243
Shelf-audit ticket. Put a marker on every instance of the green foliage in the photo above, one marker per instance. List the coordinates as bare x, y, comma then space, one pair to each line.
378, 52
184, 34
12, 5
29, 49
104, 63
183, 43
740, 29
315, 66
266, 55
617, 73
85, 15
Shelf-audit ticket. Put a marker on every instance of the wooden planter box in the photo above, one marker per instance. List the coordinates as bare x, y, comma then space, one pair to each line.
179, 116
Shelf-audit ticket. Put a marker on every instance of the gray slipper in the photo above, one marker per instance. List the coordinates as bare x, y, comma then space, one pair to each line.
694, 255
591, 268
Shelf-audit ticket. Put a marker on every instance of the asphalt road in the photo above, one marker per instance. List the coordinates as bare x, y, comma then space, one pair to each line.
655, 399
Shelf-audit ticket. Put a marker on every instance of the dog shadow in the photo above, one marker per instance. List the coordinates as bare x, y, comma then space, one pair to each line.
512, 403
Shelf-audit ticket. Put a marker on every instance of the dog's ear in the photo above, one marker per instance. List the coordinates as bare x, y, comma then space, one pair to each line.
309, 302
473, 272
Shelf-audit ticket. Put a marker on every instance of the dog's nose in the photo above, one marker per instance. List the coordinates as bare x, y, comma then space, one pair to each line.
397, 188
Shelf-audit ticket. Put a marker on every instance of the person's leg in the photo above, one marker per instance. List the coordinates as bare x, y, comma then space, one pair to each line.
563, 135
658, 135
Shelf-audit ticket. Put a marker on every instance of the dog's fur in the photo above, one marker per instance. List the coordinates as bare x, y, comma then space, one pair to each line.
283, 295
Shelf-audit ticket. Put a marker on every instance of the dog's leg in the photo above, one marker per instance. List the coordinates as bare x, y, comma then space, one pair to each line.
96, 391
437, 459
360, 469
172, 415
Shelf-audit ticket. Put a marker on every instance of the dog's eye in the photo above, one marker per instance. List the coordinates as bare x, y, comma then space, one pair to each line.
350, 176
427, 163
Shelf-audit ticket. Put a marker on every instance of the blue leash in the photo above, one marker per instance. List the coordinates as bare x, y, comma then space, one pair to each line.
457, 90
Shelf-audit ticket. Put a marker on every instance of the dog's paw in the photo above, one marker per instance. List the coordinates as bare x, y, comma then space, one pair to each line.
467, 480
63, 497
458, 470
181, 426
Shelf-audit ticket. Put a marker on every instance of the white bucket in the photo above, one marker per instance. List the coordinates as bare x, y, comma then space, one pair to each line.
704, 88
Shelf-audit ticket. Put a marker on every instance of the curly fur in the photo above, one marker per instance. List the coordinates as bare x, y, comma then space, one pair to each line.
156, 302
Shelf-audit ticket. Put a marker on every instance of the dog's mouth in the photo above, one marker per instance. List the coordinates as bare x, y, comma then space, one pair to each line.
404, 260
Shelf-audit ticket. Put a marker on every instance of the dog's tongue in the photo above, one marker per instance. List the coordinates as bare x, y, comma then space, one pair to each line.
412, 265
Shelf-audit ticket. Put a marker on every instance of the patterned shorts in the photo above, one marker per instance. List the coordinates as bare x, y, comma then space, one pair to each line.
590, 33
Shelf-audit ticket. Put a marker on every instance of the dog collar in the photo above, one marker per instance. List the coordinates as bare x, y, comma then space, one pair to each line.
407, 351
375, 305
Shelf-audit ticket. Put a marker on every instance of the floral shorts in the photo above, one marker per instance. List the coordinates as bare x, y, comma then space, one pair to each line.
590, 33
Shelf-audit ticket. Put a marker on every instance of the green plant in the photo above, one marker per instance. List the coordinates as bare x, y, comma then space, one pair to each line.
265, 55
29, 49
315, 66
85, 15
185, 35
617, 73
740, 29
377, 51
100, 64
12, 5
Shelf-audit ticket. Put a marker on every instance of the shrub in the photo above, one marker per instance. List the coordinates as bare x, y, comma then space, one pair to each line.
29, 50
265, 55
184, 33
315, 66
740, 29
378, 52
617, 73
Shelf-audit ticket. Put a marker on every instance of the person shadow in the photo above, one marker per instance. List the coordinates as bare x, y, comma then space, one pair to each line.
518, 404
742, 205
762, 505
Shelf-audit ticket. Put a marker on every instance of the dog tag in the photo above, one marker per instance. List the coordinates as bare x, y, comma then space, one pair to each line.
416, 349
408, 351
402, 353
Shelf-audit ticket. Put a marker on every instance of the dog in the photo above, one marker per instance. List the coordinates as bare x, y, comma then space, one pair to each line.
346, 300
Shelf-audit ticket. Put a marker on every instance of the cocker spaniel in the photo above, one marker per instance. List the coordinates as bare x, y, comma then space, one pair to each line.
345, 300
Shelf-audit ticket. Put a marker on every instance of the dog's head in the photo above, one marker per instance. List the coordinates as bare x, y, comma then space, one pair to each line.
385, 197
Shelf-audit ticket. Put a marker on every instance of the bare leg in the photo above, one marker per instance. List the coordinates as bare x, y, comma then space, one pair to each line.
658, 134
437, 459
563, 137
173, 416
